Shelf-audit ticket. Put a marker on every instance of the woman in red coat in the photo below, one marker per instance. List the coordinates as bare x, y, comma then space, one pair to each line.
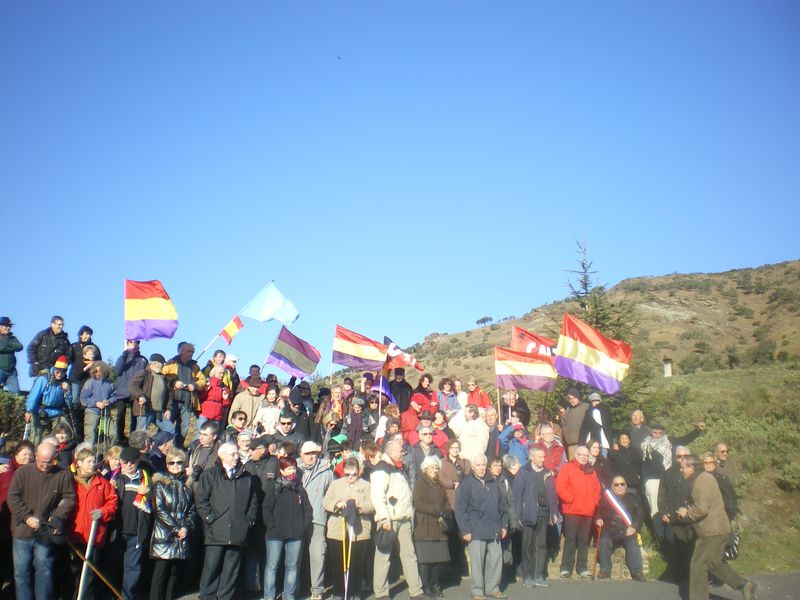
96, 500
578, 489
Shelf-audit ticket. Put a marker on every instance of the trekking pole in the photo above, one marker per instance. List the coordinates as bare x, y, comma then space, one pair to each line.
27, 432
117, 594
596, 550
89, 548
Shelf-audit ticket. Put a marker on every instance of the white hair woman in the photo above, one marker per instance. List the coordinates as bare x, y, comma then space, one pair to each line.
432, 517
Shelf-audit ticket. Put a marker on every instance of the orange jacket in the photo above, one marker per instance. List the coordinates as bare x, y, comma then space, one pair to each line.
578, 490
98, 494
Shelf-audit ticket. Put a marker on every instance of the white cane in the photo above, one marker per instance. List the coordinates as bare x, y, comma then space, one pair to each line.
87, 557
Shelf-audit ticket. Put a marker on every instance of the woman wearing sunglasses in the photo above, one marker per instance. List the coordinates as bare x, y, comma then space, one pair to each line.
174, 520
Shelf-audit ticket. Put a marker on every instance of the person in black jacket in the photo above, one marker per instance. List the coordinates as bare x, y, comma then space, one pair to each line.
47, 345
626, 460
401, 389
676, 536
287, 514
173, 526
729, 497
226, 500
620, 519
597, 424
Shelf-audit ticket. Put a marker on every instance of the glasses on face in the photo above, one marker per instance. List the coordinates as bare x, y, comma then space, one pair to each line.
425, 434
681, 455
286, 422
351, 474
172, 463
723, 451
619, 484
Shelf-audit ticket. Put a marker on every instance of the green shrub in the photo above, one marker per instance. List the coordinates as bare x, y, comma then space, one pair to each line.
789, 478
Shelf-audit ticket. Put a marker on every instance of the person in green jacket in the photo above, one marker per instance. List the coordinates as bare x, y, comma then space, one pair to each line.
9, 345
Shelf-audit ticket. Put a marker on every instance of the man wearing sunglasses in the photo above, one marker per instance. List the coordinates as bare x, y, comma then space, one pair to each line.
620, 519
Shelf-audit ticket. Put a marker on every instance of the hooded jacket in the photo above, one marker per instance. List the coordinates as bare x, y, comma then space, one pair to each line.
173, 509
46, 394
316, 481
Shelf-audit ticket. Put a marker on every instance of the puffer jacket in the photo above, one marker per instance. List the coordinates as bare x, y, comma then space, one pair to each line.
480, 508
579, 490
228, 506
173, 508
45, 348
46, 395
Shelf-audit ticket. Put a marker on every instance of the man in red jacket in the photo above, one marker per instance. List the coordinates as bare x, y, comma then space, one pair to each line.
579, 491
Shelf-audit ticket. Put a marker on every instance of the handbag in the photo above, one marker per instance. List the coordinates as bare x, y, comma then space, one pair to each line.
446, 522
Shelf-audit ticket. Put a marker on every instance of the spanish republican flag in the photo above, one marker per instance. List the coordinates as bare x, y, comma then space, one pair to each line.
231, 329
584, 354
353, 350
149, 312
523, 371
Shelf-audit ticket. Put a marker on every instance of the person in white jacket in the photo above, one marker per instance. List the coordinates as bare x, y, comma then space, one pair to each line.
473, 434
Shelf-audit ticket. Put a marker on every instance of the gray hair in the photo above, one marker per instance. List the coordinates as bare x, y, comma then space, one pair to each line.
510, 461
481, 458
679, 448
430, 461
227, 447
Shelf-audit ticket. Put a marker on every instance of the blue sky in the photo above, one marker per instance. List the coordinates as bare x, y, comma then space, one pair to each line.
396, 167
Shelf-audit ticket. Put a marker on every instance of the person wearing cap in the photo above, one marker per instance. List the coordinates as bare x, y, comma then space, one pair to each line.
47, 346
303, 425
572, 421
46, 401
426, 418
41, 499
97, 399
514, 440
9, 346
316, 477
163, 442
243, 443
133, 489
185, 381
150, 397
410, 418
226, 498
597, 424
129, 363
249, 401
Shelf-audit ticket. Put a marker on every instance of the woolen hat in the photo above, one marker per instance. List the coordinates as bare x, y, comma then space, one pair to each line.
61, 363
573, 392
595, 397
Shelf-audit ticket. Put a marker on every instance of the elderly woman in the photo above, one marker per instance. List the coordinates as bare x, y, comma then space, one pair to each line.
453, 470
432, 515
173, 524
287, 515
725, 486
350, 510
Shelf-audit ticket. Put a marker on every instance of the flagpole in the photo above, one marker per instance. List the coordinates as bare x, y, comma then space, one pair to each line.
264, 364
241, 310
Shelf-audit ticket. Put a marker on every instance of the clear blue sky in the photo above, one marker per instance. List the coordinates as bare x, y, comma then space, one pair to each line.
396, 167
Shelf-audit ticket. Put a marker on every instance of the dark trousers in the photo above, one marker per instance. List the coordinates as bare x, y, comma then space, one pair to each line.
358, 560
576, 535
220, 570
534, 550
134, 554
166, 574
707, 558
93, 586
633, 555
431, 575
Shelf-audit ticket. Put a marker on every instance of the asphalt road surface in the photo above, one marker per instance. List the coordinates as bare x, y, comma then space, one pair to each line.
785, 586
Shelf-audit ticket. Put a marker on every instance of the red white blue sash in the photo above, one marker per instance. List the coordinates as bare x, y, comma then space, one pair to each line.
615, 503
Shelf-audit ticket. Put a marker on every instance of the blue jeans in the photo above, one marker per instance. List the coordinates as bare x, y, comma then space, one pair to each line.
181, 415
9, 381
34, 553
292, 564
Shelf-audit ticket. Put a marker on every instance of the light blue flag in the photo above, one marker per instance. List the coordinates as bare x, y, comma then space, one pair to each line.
270, 304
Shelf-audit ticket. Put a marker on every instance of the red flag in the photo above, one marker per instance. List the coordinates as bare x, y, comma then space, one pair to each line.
523, 340
395, 357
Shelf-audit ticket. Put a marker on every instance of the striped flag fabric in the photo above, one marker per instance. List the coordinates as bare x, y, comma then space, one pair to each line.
149, 311
293, 355
395, 357
523, 371
356, 351
584, 354
231, 329
523, 340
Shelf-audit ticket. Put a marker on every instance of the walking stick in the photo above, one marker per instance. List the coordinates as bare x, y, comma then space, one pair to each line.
347, 553
596, 550
27, 433
117, 594
89, 548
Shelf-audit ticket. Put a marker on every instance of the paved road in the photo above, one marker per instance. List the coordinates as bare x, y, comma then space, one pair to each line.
771, 587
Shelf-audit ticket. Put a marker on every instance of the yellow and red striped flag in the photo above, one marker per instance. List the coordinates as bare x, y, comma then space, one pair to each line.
231, 329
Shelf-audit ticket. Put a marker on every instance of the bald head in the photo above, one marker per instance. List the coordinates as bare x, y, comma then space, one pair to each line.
45, 453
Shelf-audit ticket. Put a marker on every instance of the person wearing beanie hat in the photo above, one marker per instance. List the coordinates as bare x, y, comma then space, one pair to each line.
149, 394
597, 424
46, 403
9, 345
47, 345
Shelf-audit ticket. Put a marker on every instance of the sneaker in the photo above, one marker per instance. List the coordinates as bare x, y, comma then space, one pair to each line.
638, 577
585, 573
604, 575
749, 590
542, 583
529, 583
566, 574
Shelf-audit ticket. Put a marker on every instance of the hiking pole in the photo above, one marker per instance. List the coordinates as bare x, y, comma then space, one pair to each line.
89, 548
117, 594
26, 434
596, 550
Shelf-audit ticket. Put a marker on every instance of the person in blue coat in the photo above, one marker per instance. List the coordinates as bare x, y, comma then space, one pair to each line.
47, 399
97, 398
515, 441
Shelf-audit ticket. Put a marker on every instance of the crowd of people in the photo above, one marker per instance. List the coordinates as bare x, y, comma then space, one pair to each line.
246, 486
